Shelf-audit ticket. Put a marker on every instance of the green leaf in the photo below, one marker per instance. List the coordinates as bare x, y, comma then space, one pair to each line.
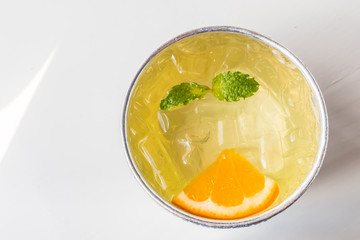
183, 94
232, 86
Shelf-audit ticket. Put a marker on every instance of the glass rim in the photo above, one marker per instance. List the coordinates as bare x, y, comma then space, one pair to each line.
323, 140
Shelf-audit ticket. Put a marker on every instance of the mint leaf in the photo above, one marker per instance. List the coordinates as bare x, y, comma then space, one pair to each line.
232, 86
183, 94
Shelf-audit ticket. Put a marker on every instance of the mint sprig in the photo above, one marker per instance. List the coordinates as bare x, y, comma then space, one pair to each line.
230, 87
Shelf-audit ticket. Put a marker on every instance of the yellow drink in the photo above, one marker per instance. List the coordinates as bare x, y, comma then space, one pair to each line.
277, 129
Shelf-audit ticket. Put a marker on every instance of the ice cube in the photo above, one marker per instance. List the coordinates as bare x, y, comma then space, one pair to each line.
271, 159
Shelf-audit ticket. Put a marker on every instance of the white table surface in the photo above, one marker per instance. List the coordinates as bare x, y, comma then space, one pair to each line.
65, 67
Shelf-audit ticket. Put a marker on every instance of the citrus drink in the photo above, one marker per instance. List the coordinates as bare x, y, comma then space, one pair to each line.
276, 130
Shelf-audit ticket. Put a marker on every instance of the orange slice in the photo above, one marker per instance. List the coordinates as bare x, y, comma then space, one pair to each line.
230, 188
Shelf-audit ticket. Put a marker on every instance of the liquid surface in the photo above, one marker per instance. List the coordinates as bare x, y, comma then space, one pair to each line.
276, 129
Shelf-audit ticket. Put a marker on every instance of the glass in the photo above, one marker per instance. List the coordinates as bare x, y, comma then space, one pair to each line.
281, 130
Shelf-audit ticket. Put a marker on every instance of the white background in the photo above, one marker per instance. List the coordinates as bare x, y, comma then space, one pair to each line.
65, 67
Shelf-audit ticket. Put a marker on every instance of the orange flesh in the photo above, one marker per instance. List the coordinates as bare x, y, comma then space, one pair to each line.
220, 191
